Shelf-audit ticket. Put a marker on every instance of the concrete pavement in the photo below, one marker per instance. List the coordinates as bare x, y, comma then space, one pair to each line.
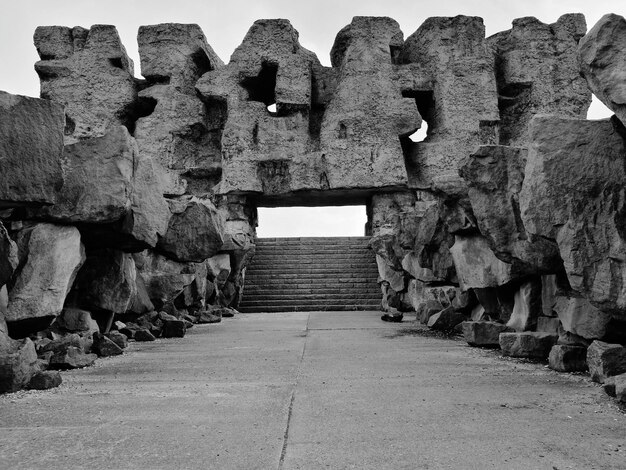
333, 390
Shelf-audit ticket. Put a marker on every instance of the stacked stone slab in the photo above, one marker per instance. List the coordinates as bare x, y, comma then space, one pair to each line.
311, 274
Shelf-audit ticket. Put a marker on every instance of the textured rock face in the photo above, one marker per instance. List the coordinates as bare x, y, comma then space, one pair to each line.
495, 175
476, 265
195, 231
602, 55
98, 176
452, 80
483, 333
605, 360
31, 142
330, 130
177, 130
89, 72
573, 193
107, 281
537, 73
53, 256
527, 344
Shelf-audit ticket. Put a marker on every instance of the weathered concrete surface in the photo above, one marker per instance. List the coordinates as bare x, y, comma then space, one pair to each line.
362, 394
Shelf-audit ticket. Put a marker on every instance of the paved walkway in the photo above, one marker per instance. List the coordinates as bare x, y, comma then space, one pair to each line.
312, 391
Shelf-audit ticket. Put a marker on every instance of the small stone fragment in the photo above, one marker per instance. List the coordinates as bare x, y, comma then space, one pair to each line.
118, 338
143, 334
104, 346
72, 358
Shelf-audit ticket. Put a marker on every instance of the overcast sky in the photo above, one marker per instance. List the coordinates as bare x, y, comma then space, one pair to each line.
225, 22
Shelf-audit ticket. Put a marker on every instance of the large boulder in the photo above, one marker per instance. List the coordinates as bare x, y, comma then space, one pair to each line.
195, 231
107, 281
476, 265
602, 55
31, 143
166, 279
574, 193
495, 175
53, 255
98, 175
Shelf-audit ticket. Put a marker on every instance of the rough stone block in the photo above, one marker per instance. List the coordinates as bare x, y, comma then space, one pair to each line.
568, 358
18, 363
527, 344
483, 333
605, 360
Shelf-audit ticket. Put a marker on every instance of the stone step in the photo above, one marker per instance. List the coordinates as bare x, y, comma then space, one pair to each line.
304, 271
301, 296
313, 257
311, 302
314, 283
325, 308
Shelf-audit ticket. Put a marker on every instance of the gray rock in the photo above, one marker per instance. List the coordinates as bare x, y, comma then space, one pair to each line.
537, 73
484, 334
195, 231
76, 320
143, 334
450, 75
526, 307
53, 256
89, 71
605, 360
31, 142
118, 338
108, 281
104, 346
476, 265
72, 358
620, 387
8, 256
568, 358
578, 316
446, 320
533, 345
573, 193
495, 175
45, 380
602, 60
18, 364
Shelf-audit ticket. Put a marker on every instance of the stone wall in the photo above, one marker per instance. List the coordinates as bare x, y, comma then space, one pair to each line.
129, 205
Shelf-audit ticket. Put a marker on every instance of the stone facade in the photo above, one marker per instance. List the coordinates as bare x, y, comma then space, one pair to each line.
134, 201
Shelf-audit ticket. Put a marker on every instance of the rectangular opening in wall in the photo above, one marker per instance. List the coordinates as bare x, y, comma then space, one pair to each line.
327, 221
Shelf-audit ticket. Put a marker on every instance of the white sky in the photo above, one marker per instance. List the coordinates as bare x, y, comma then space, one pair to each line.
225, 23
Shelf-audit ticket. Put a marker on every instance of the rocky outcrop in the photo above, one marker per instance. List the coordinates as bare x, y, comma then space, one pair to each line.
602, 56
450, 75
537, 72
89, 72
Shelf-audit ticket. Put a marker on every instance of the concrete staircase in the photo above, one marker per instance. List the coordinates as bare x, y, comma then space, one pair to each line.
311, 274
